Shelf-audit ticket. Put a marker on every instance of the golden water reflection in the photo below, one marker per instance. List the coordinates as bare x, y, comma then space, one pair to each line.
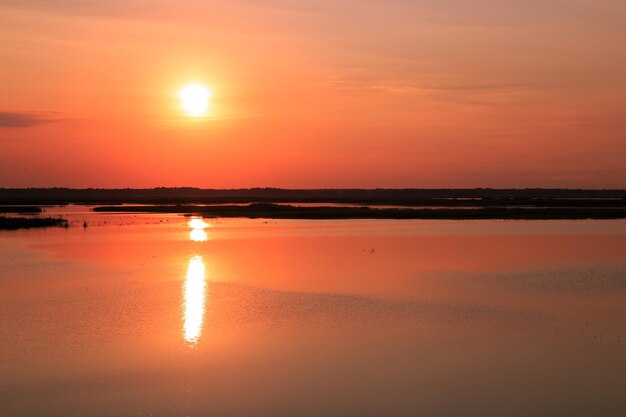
197, 233
194, 293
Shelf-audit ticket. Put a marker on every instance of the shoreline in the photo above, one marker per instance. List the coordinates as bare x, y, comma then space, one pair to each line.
275, 211
16, 223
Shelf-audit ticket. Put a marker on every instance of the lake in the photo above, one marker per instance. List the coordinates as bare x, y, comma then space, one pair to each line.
162, 315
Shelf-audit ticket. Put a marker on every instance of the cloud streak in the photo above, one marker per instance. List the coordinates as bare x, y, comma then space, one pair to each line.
22, 119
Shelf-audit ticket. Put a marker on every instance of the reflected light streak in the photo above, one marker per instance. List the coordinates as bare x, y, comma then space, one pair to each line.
197, 223
198, 235
193, 302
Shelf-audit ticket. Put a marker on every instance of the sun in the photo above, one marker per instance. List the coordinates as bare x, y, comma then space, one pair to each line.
194, 98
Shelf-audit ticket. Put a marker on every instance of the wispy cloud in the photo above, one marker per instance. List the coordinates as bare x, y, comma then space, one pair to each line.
92, 8
22, 119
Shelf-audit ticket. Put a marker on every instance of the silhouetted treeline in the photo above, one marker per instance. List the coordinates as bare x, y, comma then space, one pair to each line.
413, 197
276, 211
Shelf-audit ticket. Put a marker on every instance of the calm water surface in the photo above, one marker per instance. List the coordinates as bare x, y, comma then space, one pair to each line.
153, 315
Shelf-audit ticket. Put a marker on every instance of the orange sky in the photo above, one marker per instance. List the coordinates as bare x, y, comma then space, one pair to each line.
343, 93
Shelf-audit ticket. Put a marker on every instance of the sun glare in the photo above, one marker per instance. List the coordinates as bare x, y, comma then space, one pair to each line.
194, 99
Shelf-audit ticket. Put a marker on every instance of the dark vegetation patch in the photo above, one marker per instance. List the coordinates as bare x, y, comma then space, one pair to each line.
20, 209
14, 223
275, 211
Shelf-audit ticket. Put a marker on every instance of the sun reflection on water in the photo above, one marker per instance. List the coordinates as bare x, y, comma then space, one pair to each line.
193, 301
197, 233
197, 223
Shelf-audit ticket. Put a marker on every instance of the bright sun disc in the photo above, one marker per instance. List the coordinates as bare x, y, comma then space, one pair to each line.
195, 99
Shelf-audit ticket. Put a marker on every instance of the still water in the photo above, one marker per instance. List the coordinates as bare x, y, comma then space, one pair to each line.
153, 315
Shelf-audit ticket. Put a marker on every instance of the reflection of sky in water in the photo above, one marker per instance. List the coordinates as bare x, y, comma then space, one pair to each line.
193, 300
540, 302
